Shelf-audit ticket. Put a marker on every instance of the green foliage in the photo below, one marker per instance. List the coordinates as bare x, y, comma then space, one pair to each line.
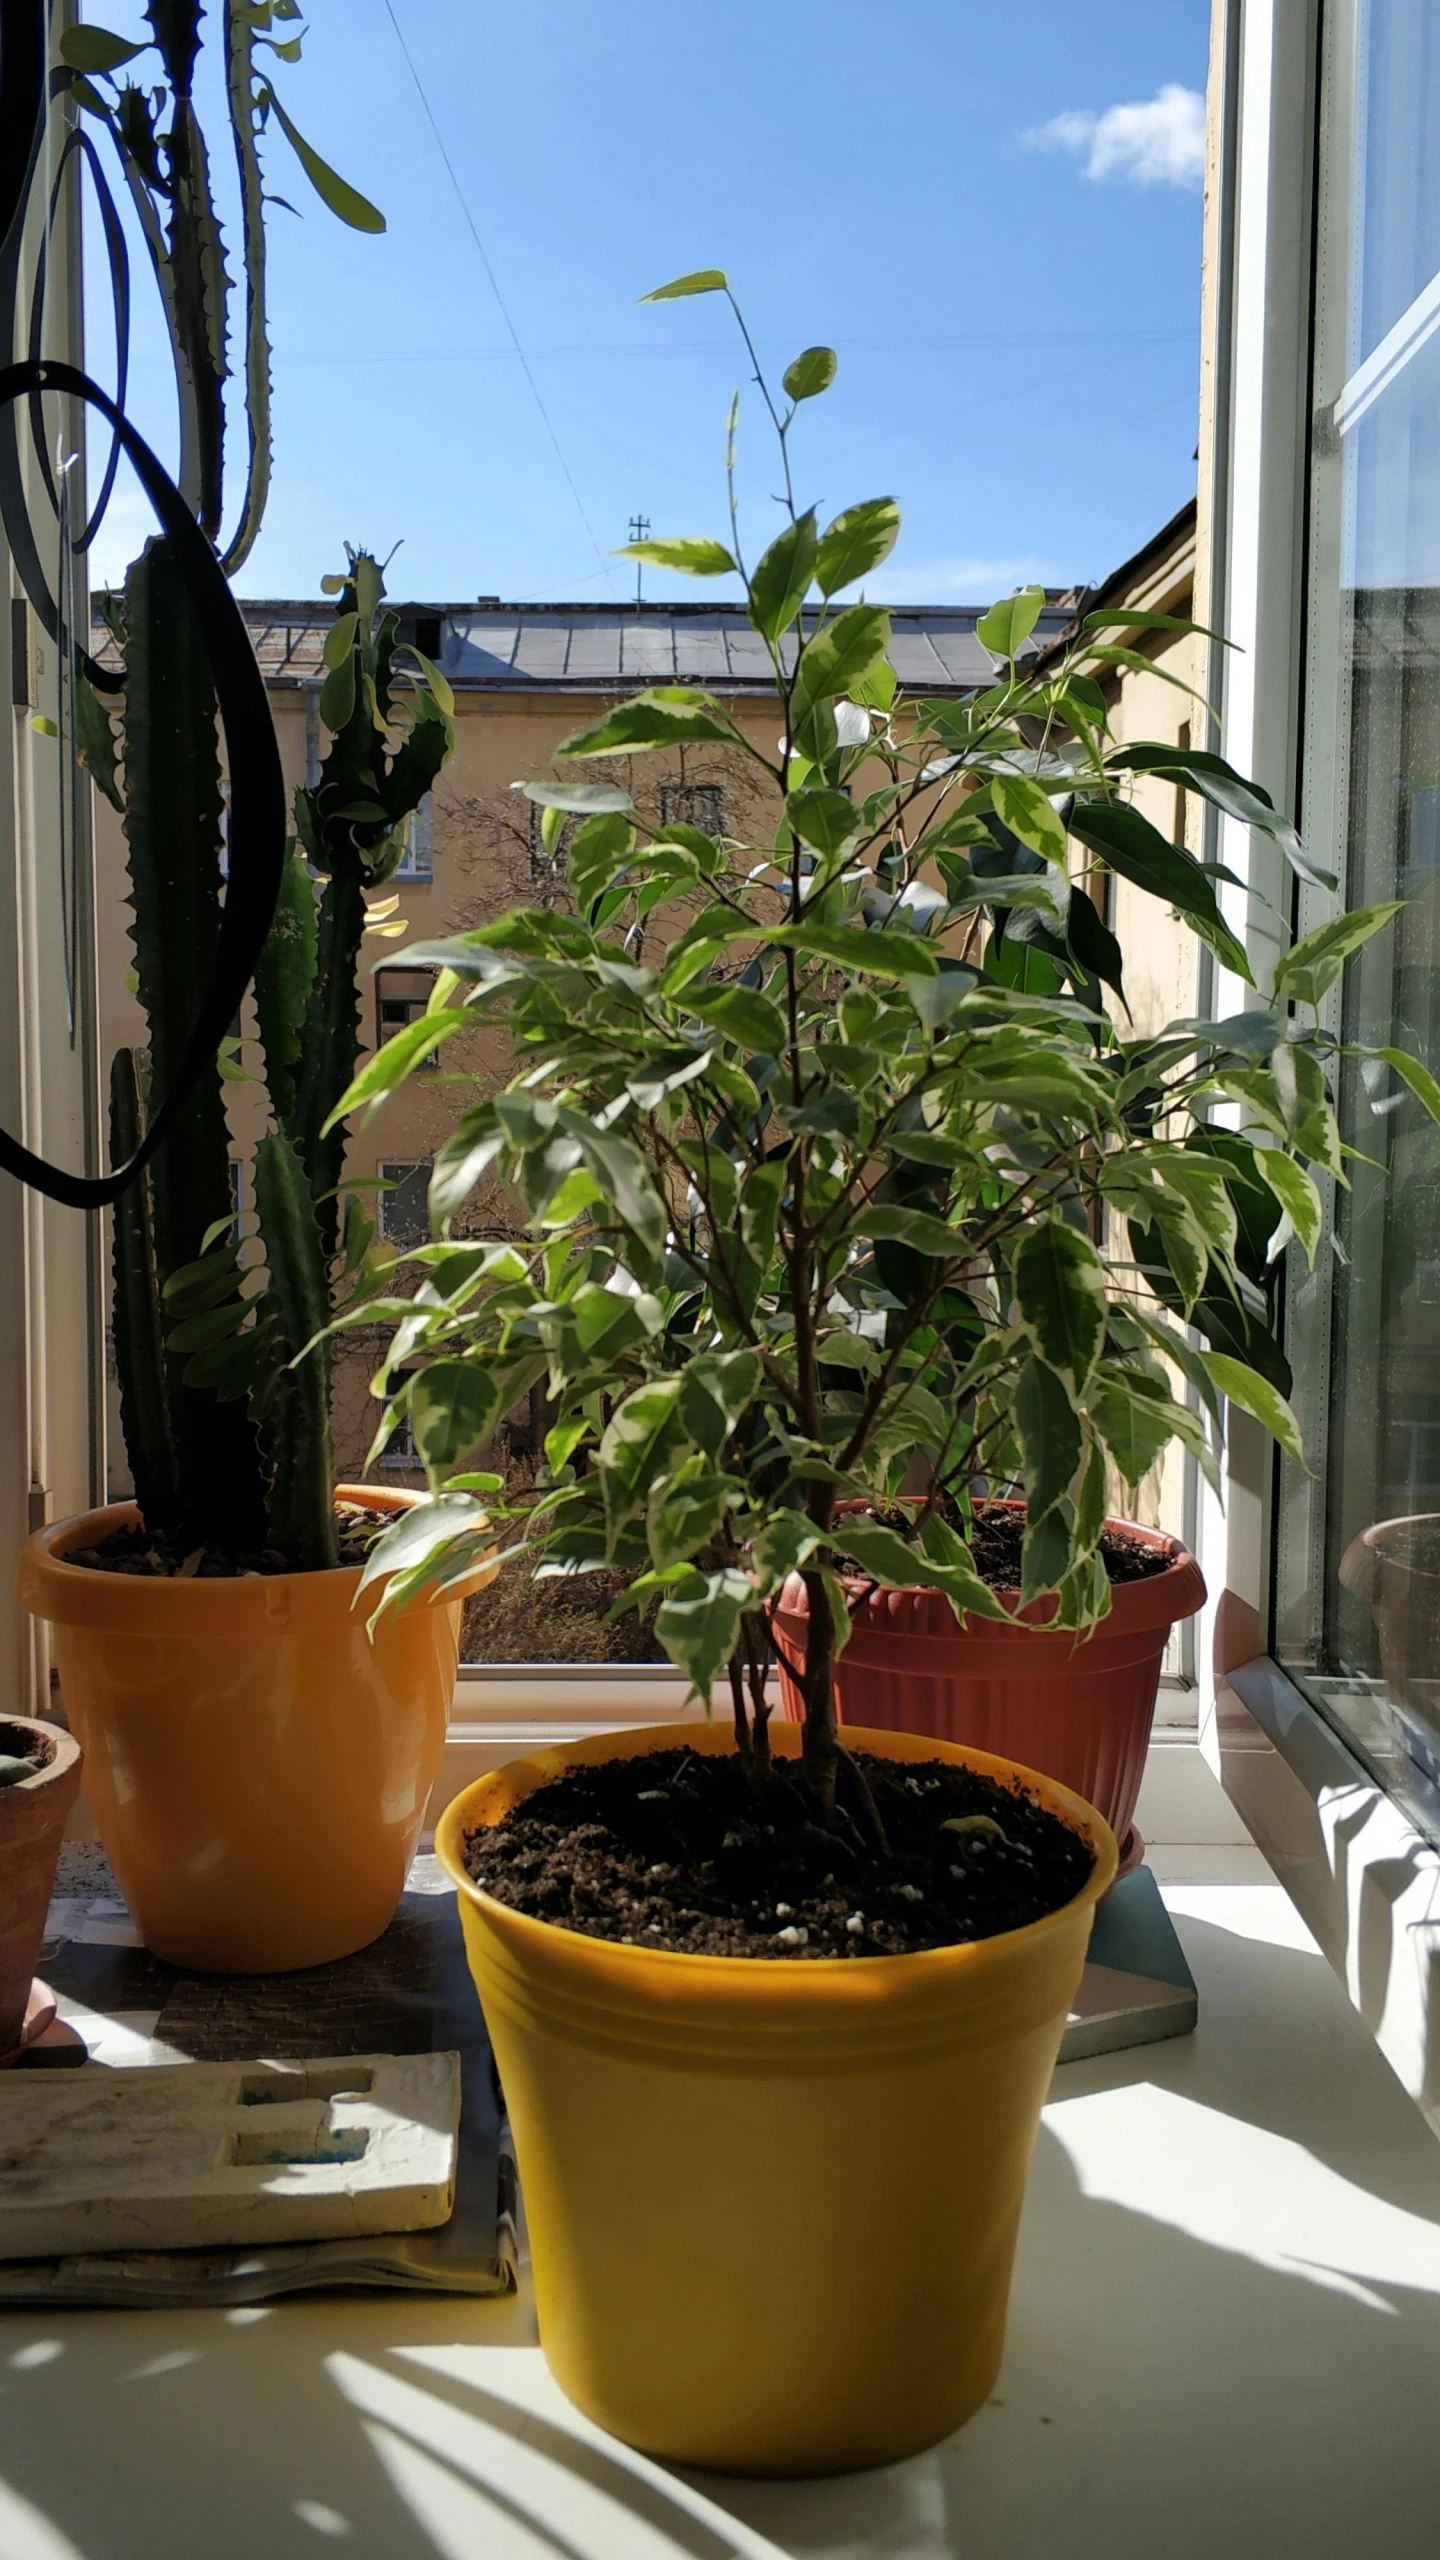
855, 1168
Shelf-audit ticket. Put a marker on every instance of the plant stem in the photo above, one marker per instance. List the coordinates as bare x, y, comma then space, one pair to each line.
737, 1701
820, 1745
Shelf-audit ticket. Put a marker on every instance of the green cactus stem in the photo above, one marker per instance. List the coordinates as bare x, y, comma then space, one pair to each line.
296, 1409
139, 1342
172, 826
352, 827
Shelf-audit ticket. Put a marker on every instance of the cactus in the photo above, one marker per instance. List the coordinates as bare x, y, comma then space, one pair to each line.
352, 828
296, 1424
153, 124
225, 1423
240, 1343
209, 1490
139, 1338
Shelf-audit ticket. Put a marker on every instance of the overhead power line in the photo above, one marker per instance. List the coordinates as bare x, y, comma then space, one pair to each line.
471, 227
672, 350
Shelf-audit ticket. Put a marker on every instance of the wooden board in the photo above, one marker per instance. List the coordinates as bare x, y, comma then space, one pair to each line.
210, 2154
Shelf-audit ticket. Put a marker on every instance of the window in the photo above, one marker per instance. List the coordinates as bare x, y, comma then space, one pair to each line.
694, 804
1358, 1547
417, 862
400, 1450
546, 865
401, 996
402, 1209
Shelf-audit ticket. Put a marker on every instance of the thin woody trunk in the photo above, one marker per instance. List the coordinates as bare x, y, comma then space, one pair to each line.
748, 1669
820, 1745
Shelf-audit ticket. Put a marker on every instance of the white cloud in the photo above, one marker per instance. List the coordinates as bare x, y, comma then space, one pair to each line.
1159, 142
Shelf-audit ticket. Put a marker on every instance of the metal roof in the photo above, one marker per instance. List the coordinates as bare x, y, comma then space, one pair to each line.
583, 648
578, 647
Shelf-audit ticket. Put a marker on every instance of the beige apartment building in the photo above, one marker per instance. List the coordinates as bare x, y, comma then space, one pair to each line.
524, 676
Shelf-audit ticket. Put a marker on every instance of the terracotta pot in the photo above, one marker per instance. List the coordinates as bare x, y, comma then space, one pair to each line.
1394, 1565
32, 1821
1078, 1708
258, 1769
772, 2206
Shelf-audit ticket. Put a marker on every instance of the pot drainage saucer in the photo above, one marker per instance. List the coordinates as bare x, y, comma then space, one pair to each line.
1132, 1850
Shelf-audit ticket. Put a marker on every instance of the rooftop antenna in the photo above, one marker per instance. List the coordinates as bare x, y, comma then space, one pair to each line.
639, 527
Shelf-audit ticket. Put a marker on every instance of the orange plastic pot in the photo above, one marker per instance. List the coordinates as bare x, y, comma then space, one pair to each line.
772, 2206
258, 1769
1080, 1708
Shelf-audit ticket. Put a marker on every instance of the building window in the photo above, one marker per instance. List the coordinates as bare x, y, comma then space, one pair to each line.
1357, 1605
400, 1450
544, 866
417, 862
401, 996
402, 1208
693, 804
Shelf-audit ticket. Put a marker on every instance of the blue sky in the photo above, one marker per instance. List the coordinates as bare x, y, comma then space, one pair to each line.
992, 214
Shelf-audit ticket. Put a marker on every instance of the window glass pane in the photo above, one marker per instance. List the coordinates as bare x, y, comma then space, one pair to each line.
402, 1207
417, 862
1358, 1591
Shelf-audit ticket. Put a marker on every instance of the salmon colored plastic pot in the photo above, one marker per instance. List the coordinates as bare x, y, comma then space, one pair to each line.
772, 2206
1080, 1709
258, 1769
32, 1825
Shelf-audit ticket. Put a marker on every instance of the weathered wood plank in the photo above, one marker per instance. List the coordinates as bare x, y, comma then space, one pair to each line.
210, 2154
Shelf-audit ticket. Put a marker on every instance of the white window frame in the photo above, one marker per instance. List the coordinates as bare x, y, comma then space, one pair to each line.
1365, 1880
53, 1263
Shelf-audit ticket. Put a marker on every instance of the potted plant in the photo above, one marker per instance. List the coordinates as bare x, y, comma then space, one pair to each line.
1023, 1686
258, 1769
39, 1781
816, 1187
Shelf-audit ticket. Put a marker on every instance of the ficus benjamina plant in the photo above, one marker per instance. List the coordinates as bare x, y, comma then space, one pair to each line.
859, 1167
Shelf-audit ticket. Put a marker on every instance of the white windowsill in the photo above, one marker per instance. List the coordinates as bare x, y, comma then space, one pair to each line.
1224, 2326
1363, 1878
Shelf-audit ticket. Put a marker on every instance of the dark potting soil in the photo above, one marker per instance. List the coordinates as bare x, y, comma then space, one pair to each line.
997, 1534
136, 1551
996, 1538
677, 1849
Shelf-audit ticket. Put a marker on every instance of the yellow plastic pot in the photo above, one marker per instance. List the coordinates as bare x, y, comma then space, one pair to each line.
257, 1768
772, 2206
